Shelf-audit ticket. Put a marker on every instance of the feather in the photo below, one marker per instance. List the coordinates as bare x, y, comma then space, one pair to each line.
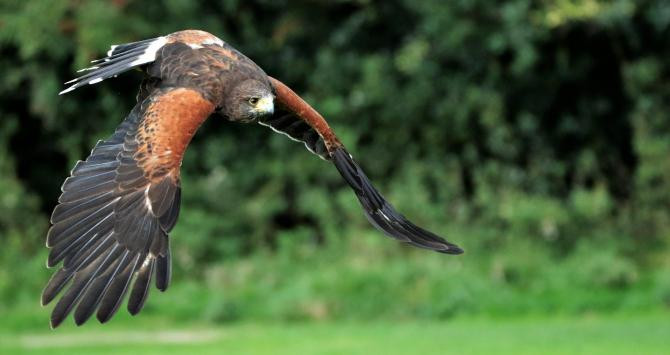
163, 269
55, 285
381, 214
141, 286
109, 218
71, 212
79, 284
94, 293
114, 294
79, 237
120, 58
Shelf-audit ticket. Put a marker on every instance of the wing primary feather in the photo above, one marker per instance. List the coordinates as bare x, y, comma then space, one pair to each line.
94, 293
163, 269
114, 294
66, 230
120, 56
66, 211
71, 248
76, 195
87, 182
86, 255
86, 167
141, 287
81, 281
381, 214
125, 57
122, 48
120, 59
101, 73
55, 285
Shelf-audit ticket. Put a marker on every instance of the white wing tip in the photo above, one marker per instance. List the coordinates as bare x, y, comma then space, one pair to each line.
111, 49
67, 90
149, 55
87, 69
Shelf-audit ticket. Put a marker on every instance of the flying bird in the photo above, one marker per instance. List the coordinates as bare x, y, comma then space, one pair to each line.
110, 227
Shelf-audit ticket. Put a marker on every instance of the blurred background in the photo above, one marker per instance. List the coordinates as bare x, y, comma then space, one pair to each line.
534, 134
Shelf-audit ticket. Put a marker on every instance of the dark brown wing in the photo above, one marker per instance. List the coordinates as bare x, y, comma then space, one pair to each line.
299, 121
165, 57
113, 218
286, 122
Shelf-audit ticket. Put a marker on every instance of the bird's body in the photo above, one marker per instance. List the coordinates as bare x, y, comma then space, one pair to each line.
113, 218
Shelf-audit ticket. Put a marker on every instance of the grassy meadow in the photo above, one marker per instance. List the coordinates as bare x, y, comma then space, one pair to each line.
590, 334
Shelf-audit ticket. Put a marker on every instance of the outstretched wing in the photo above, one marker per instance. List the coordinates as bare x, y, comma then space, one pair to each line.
113, 218
296, 119
286, 122
123, 57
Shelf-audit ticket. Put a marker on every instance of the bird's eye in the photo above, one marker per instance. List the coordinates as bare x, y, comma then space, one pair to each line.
253, 100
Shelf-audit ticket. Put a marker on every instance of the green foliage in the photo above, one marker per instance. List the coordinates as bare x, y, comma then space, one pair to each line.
534, 134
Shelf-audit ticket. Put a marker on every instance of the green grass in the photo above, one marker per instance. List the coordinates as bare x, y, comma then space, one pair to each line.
620, 334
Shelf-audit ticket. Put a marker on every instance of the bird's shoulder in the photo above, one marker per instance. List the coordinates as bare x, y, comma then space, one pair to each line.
199, 60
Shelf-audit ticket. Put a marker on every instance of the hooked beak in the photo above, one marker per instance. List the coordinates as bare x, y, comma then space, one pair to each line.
266, 105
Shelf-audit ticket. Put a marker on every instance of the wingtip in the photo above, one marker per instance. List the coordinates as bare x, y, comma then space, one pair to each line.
80, 319
104, 318
71, 88
381, 214
134, 310
45, 298
55, 322
452, 250
51, 262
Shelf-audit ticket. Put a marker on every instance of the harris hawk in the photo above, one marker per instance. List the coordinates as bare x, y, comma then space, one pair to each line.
110, 228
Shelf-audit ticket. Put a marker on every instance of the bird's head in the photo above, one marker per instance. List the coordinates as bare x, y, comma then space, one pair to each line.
248, 101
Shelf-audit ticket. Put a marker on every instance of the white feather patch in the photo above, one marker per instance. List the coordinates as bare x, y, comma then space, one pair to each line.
147, 200
149, 54
87, 69
111, 49
67, 90
214, 40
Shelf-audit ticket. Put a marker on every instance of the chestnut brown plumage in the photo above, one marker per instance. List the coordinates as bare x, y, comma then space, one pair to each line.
110, 228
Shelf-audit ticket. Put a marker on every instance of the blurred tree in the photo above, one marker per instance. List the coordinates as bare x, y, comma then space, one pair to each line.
455, 108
